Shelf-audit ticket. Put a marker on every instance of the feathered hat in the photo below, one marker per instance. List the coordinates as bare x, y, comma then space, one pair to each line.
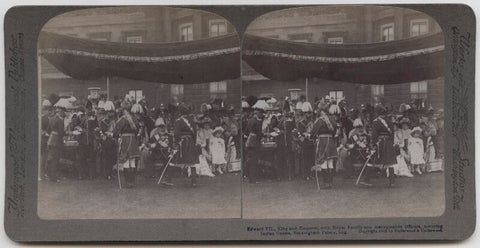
137, 109
108, 106
358, 123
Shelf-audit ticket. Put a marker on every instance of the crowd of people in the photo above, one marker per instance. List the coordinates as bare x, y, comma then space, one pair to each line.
98, 138
288, 139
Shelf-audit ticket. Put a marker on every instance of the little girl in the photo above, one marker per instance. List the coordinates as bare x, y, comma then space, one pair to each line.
217, 149
416, 150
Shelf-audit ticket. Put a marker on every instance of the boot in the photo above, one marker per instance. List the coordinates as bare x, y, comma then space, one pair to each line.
366, 177
391, 177
331, 172
128, 177
193, 176
132, 175
326, 178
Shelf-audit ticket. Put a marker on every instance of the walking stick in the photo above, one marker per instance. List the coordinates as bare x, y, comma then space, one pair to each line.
364, 166
118, 175
118, 165
316, 178
166, 165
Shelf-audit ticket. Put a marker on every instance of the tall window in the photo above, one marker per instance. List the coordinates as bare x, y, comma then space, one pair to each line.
378, 91
134, 39
418, 27
337, 94
176, 91
136, 94
218, 90
387, 32
418, 90
335, 40
218, 27
186, 32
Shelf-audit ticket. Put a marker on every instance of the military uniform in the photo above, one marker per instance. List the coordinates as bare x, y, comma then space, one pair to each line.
382, 138
56, 131
108, 154
126, 130
161, 143
324, 130
184, 136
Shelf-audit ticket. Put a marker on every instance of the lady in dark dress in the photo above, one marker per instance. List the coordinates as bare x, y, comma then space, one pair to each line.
184, 136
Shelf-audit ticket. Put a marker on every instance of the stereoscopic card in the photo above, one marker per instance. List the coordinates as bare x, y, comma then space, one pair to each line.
240, 123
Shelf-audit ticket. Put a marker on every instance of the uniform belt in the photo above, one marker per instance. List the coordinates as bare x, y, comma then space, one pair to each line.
325, 135
127, 134
54, 132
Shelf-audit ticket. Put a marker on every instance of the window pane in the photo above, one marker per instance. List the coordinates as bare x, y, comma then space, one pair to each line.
222, 28
222, 86
423, 86
213, 87
414, 87
139, 95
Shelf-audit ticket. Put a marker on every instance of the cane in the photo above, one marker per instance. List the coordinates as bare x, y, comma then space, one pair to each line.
166, 165
118, 165
118, 175
316, 178
364, 166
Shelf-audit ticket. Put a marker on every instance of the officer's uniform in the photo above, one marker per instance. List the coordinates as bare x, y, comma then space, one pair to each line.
324, 130
382, 138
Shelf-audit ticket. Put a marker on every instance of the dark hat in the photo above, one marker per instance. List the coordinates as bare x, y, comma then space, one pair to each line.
380, 109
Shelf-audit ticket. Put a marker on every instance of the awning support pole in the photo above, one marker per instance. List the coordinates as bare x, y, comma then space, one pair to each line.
108, 88
306, 89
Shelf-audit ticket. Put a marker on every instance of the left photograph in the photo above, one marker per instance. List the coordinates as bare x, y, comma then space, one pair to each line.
139, 115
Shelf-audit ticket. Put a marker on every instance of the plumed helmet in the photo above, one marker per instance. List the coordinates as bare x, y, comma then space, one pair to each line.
108, 106
46, 103
334, 110
358, 123
137, 109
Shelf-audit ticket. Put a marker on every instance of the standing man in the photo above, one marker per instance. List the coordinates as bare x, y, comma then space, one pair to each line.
254, 133
47, 112
56, 131
324, 130
126, 130
108, 150
382, 142
184, 135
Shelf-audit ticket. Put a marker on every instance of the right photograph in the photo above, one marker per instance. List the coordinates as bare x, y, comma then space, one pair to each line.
343, 114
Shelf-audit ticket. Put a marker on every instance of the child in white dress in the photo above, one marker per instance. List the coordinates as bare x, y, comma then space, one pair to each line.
416, 150
401, 168
217, 150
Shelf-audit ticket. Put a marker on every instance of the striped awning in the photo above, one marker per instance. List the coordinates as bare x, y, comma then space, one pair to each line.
191, 62
408, 60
